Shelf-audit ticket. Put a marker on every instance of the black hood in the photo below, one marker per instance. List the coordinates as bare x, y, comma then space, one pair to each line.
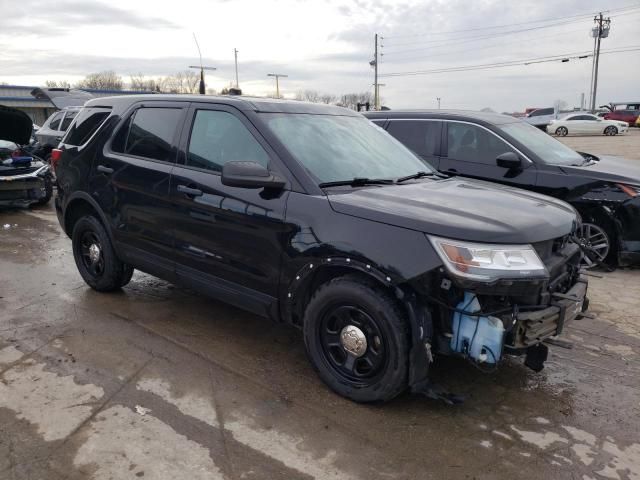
462, 209
610, 169
15, 125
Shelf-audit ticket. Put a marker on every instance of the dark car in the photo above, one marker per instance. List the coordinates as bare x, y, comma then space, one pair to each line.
605, 190
24, 180
311, 215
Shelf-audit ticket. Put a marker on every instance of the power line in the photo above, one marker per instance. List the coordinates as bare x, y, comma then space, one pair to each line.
586, 15
461, 40
512, 63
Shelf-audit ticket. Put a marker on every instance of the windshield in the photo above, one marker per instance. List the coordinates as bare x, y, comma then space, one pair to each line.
550, 150
334, 148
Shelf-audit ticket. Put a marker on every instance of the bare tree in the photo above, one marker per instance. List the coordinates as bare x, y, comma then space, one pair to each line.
57, 84
328, 98
107, 80
308, 96
140, 82
186, 81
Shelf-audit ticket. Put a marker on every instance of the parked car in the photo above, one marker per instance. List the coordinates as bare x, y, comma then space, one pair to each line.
541, 117
605, 190
586, 124
311, 215
628, 116
53, 129
24, 180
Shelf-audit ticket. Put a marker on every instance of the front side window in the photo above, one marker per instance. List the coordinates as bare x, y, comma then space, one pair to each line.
338, 148
419, 136
219, 137
471, 143
149, 133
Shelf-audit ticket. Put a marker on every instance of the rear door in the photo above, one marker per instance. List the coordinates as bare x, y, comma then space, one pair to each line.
131, 182
471, 150
228, 240
422, 136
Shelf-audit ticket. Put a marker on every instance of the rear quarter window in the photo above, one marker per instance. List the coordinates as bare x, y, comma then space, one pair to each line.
88, 122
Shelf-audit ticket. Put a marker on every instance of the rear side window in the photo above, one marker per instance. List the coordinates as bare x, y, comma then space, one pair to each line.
149, 133
542, 111
421, 137
68, 118
55, 121
219, 137
87, 123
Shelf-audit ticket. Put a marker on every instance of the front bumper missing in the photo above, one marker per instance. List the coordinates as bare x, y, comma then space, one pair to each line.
532, 328
23, 189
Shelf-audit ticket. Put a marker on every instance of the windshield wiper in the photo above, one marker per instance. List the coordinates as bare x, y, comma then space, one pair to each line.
357, 182
419, 175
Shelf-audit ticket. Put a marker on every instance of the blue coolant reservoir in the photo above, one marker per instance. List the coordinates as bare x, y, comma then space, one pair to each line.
478, 337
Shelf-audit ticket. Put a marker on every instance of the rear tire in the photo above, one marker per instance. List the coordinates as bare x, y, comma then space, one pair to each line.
340, 314
562, 131
95, 257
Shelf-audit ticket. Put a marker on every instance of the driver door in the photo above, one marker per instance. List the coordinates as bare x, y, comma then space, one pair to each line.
228, 240
472, 150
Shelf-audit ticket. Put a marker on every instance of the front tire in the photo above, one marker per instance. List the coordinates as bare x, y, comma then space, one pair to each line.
95, 257
357, 339
599, 239
562, 131
48, 192
611, 131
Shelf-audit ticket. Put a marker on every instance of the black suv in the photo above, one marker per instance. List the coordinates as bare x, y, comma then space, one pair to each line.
311, 215
605, 190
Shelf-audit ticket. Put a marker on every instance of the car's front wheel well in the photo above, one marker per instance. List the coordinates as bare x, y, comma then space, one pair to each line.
302, 289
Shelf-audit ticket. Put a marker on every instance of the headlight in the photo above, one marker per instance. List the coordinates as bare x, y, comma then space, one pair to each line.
488, 262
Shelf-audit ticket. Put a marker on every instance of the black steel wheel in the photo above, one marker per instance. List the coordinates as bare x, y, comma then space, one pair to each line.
95, 257
357, 339
562, 131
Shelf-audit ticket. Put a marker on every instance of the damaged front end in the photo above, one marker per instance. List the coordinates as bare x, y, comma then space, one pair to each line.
24, 179
496, 300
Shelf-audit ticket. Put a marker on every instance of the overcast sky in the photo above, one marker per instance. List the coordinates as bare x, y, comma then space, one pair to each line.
326, 46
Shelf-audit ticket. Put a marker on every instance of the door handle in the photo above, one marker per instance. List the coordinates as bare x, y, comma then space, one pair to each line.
104, 169
190, 192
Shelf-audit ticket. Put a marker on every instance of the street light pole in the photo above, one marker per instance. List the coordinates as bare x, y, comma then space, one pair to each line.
235, 53
277, 75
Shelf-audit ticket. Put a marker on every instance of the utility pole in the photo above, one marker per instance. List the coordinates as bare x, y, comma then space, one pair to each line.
438, 98
374, 64
202, 68
235, 53
600, 31
277, 75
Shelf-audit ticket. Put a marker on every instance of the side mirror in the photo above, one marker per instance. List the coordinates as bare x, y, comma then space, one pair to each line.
509, 160
249, 175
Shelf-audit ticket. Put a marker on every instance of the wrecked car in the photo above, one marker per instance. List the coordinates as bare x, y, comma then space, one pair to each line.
604, 189
311, 215
24, 179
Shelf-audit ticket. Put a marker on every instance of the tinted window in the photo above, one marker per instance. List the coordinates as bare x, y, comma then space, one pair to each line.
575, 117
379, 123
420, 136
333, 147
220, 137
542, 111
87, 123
55, 121
68, 118
471, 143
149, 133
